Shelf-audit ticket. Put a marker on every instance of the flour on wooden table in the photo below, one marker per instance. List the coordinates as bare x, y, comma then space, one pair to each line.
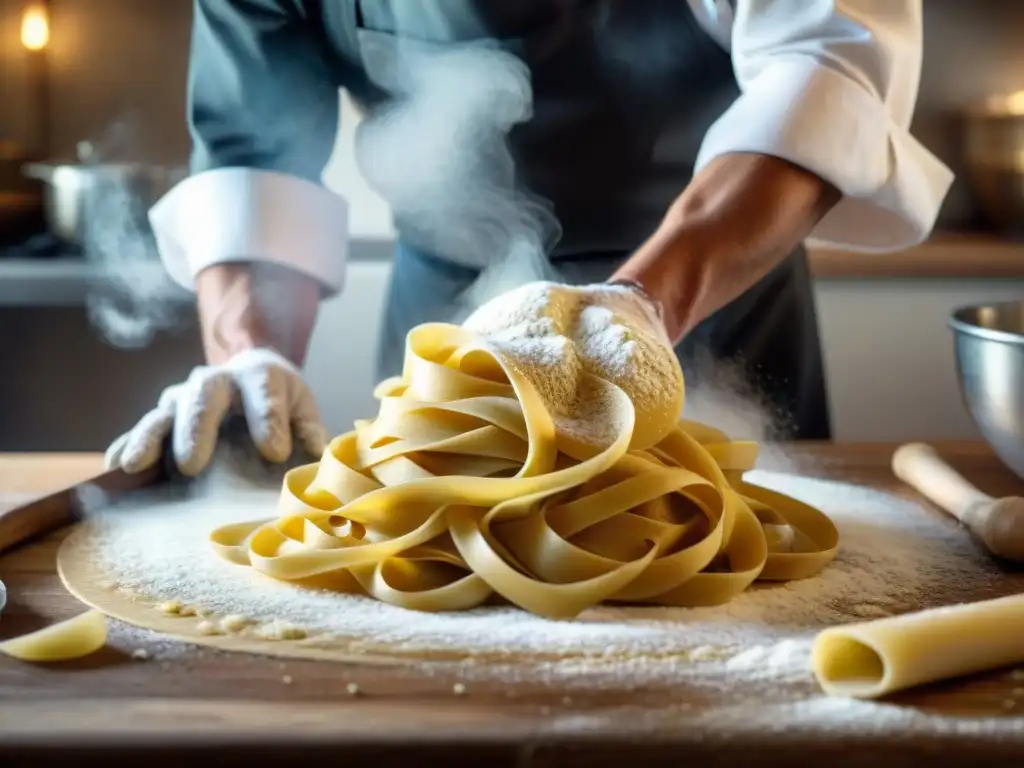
893, 557
814, 717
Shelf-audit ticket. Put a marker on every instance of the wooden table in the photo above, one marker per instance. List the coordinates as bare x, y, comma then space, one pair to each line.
226, 709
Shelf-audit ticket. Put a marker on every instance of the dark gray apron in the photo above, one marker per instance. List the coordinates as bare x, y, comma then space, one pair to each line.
623, 92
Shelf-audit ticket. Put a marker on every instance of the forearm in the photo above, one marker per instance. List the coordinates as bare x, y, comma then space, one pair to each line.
255, 187
738, 219
248, 305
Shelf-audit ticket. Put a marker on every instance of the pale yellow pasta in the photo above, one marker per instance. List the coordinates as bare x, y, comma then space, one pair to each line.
71, 639
876, 658
463, 490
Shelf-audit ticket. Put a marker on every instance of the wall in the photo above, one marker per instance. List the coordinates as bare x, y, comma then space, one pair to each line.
15, 97
111, 61
972, 50
889, 355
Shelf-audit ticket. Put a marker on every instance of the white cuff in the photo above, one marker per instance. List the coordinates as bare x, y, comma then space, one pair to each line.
814, 117
243, 214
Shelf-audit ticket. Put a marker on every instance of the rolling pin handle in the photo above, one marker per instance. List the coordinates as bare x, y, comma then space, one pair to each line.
921, 467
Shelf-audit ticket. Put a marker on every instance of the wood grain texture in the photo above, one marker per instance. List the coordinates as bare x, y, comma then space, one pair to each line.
36, 515
942, 256
232, 709
40, 473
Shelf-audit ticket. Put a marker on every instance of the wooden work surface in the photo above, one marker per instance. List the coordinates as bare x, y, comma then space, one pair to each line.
230, 709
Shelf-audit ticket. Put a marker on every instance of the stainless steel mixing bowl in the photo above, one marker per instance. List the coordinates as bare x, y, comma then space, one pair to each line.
989, 343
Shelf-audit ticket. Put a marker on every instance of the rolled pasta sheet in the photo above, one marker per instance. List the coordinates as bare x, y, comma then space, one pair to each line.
876, 658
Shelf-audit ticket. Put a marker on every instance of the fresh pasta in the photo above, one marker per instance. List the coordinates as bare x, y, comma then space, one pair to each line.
71, 639
465, 490
875, 658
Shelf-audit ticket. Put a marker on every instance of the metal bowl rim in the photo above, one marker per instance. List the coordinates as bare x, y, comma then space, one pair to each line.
958, 324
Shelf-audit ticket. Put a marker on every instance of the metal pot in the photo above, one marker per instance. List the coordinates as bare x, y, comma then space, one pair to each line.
994, 158
78, 198
21, 199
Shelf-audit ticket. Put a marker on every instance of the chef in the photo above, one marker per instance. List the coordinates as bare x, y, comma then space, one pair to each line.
688, 148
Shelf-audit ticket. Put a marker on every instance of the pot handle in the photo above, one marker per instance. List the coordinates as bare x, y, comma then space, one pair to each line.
39, 171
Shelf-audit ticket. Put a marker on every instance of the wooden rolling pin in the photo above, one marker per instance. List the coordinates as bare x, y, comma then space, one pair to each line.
996, 523
235, 453
55, 510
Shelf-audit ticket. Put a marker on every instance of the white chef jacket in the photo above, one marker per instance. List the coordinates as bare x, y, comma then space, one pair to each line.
829, 85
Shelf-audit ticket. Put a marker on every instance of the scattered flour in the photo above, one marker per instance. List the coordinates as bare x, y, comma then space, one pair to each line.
893, 557
784, 659
814, 717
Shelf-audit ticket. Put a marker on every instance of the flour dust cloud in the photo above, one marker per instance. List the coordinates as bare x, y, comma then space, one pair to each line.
438, 151
131, 298
721, 393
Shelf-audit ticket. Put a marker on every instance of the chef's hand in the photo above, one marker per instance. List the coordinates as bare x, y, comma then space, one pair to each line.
627, 302
628, 298
740, 216
278, 406
256, 321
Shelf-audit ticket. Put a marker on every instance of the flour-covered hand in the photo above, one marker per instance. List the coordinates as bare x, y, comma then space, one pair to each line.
560, 336
622, 304
270, 392
629, 299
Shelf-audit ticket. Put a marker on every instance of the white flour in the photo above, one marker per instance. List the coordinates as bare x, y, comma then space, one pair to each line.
893, 556
552, 334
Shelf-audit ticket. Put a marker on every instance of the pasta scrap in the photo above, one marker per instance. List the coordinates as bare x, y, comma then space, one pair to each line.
72, 639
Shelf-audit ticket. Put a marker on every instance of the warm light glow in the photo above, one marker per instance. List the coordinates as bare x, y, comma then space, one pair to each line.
1015, 103
1010, 104
35, 27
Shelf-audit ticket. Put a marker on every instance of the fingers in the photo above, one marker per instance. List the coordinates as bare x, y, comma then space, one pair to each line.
265, 401
273, 397
633, 306
112, 458
202, 404
140, 448
309, 430
312, 436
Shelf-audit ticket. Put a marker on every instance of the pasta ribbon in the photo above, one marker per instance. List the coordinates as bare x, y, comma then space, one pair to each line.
464, 489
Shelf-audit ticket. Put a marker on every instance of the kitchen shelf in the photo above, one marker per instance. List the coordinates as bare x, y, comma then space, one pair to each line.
945, 255
51, 282
65, 282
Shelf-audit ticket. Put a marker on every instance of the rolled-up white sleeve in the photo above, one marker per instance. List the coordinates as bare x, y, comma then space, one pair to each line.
229, 215
830, 85
263, 116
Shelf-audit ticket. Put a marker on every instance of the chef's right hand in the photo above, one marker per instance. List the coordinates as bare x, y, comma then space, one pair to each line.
278, 406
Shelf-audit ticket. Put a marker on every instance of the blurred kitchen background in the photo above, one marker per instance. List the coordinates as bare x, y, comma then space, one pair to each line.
82, 79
